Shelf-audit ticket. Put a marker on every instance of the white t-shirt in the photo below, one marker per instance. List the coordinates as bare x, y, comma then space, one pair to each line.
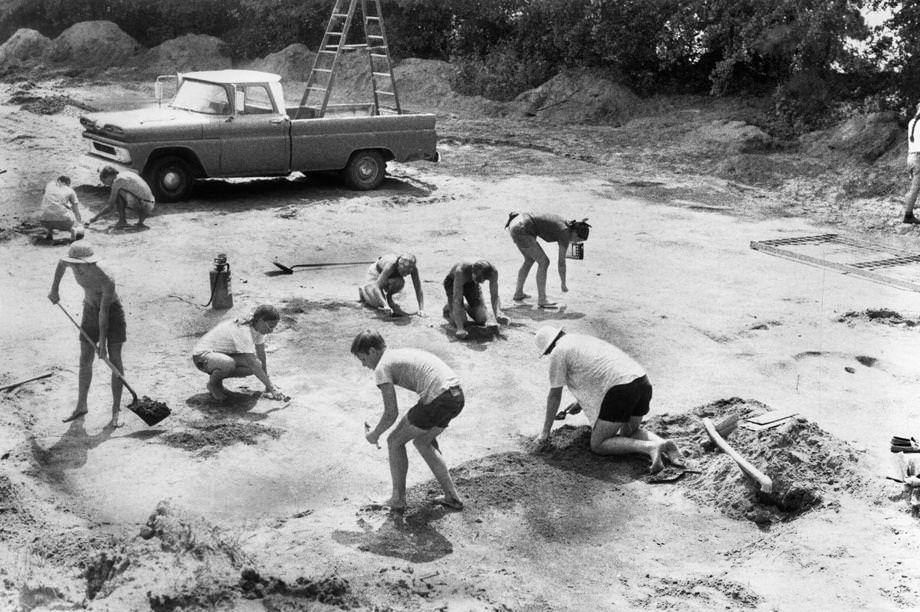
58, 202
588, 366
415, 370
229, 337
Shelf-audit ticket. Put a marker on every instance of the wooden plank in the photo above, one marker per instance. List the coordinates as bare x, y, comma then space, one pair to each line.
771, 416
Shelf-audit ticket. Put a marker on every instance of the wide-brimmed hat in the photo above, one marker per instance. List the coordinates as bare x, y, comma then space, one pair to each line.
546, 338
81, 251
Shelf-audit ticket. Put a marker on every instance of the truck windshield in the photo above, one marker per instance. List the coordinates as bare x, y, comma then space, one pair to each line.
200, 97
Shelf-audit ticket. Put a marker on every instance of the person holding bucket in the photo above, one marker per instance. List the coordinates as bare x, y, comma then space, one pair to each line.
525, 229
103, 321
385, 278
235, 348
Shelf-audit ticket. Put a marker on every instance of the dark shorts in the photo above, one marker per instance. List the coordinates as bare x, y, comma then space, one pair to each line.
439, 412
471, 292
118, 330
623, 402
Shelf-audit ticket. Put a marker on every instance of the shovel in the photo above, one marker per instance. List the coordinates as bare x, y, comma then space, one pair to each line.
290, 269
150, 411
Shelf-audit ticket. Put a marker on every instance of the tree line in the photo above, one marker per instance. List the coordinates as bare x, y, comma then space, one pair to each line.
816, 59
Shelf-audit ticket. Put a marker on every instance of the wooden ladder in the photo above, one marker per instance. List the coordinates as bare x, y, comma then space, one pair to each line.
315, 98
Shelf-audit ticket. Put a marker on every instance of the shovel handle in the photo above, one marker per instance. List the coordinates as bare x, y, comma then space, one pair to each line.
96, 350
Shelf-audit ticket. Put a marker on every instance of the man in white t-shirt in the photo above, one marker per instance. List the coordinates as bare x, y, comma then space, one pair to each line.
61, 209
235, 348
440, 399
610, 387
913, 167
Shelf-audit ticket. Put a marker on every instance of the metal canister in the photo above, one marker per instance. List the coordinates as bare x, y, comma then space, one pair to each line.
221, 293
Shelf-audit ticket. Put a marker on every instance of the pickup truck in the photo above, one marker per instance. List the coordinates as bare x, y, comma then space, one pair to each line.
233, 123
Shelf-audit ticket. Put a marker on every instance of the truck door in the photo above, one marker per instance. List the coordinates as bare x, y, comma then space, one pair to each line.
255, 139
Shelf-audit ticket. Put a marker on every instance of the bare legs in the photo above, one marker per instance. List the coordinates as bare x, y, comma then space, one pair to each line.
913, 163
87, 356
424, 441
532, 253
608, 438
224, 366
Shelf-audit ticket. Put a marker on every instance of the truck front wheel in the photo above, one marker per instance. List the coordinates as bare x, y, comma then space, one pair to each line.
170, 179
365, 170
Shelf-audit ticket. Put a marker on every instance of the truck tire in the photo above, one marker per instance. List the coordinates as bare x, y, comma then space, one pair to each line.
170, 178
365, 170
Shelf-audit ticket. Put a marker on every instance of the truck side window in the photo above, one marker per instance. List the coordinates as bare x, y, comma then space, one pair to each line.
257, 100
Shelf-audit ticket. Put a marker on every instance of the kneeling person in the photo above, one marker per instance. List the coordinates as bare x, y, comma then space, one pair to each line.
385, 278
440, 400
235, 348
610, 387
464, 295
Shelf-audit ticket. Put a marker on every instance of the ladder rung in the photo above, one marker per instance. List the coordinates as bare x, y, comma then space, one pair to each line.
339, 15
384, 93
379, 55
325, 51
375, 36
314, 88
322, 70
371, 17
383, 74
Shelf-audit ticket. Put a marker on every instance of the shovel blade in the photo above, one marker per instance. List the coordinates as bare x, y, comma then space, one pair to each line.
150, 411
283, 268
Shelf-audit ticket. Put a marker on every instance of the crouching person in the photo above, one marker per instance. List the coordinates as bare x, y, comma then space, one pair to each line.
440, 400
235, 348
610, 387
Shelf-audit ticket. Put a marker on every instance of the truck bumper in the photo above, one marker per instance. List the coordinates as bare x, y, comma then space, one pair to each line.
109, 150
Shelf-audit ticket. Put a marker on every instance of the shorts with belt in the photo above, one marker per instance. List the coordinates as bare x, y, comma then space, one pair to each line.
439, 412
118, 329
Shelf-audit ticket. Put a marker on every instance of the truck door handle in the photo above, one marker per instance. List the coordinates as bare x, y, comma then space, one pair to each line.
278, 120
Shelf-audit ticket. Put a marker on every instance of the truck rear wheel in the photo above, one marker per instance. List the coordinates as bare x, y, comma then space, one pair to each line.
170, 178
365, 170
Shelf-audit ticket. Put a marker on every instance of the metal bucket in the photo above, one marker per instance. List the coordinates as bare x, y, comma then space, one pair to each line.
576, 251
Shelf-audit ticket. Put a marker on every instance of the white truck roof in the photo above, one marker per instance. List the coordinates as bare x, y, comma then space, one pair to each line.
228, 77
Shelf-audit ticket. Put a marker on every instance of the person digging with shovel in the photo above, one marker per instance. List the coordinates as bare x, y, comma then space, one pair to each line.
235, 348
610, 387
103, 321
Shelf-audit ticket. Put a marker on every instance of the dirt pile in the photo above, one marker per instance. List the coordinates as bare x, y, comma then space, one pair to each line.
23, 49
93, 44
209, 437
865, 137
579, 97
882, 316
41, 102
809, 467
293, 63
183, 54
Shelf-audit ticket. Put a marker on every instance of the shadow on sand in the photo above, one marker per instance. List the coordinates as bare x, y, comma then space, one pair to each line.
70, 451
404, 535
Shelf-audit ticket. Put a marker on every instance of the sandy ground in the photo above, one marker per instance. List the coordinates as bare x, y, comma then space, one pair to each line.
268, 505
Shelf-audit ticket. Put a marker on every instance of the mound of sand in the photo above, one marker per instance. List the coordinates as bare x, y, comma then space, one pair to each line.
736, 136
93, 44
24, 48
293, 62
422, 81
866, 137
579, 97
184, 54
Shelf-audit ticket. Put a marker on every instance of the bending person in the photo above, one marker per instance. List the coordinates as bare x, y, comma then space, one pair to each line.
610, 387
440, 399
385, 279
525, 229
464, 295
235, 348
128, 192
